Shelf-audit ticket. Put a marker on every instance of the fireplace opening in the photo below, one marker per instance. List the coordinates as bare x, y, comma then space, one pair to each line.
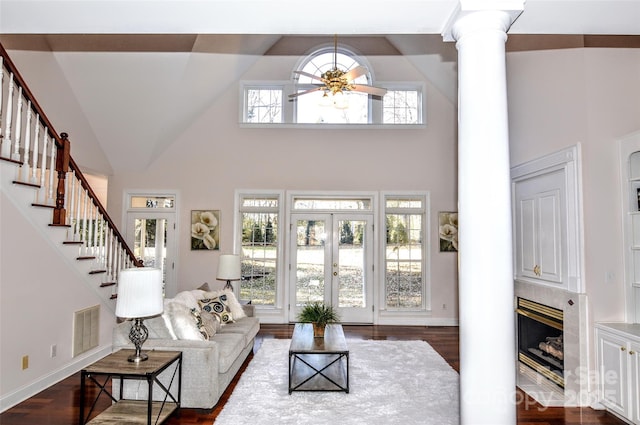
540, 339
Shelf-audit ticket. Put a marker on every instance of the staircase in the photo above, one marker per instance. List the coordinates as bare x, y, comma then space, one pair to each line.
45, 184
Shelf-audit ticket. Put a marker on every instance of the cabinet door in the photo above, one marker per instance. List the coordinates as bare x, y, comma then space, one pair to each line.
634, 381
539, 245
612, 368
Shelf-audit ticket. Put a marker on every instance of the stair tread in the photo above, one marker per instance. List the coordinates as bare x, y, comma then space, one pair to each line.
18, 182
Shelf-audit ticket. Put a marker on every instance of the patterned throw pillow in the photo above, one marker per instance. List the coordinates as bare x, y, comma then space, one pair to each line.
199, 324
210, 322
218, 306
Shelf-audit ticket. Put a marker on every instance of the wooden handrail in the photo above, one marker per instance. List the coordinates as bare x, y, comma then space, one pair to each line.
64, 162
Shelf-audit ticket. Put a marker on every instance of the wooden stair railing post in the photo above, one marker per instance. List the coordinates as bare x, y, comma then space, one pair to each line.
62, 167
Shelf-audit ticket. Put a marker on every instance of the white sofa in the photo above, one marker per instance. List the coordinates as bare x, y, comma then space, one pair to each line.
208, 365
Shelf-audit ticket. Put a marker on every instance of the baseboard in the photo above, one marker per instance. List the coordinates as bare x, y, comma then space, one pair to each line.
21, 394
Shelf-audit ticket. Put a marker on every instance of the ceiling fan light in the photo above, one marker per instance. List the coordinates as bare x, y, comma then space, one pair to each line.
340, 100
325, 100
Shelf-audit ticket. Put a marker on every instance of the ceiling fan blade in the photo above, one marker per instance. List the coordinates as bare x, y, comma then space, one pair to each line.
306, 74
294, 95
376, 91
355, 73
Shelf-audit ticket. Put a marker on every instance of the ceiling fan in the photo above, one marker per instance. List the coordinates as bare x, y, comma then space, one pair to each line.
338, 81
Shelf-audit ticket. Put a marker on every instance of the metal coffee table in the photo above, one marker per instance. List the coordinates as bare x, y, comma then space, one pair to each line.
318, 364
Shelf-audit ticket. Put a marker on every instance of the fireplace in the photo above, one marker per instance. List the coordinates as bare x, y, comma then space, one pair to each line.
575, 339
541, 339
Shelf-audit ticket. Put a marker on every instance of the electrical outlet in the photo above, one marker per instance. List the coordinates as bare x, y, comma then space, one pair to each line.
25, 362
54, 350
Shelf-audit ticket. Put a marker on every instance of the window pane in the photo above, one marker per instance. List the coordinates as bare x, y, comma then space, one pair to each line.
342, 108
403, 203
264, 105
401, 107
259, 257
260, 202
152, 201
332, 204
403, 258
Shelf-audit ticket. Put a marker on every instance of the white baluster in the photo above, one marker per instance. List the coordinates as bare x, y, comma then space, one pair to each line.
16, 143
100, 241
53, 174
76, 236
85, 207
109, 254
68, 200
24, 168
91, 224
5, 151
43, 168
34, 152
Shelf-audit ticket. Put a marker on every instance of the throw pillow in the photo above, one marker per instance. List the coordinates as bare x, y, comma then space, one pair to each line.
189, 298
183, 322
210, 323
204, 287
231, 301
200, 325
218, 306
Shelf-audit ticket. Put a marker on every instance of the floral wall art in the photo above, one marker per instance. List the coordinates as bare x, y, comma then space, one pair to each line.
205, 231
448, 229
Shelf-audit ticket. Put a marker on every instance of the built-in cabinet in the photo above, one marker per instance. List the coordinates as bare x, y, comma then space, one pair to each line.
618, 362
547, 221
630, 170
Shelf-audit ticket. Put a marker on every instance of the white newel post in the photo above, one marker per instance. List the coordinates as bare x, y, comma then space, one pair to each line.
486, 288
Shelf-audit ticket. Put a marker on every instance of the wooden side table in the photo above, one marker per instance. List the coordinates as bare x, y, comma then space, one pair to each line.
122, 411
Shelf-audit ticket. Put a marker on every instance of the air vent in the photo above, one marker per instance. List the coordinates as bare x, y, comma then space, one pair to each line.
86, 325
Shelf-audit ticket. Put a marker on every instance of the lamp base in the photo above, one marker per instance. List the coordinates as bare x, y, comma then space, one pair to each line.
138, 335
137, 357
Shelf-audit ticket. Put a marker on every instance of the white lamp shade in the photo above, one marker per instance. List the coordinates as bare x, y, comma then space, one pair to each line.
139, 293
229, 267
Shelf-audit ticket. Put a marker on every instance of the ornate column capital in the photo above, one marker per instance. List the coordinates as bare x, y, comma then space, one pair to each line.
473, 15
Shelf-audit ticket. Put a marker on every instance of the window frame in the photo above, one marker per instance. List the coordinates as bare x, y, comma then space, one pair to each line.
425, 308
276, 311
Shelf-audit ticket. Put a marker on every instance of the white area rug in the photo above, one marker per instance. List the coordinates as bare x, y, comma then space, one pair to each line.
391, 382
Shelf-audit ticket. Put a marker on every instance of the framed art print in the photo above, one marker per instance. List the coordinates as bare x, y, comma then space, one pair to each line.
205, 230
448, 231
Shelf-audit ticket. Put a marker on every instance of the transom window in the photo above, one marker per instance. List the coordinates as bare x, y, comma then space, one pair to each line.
268, 103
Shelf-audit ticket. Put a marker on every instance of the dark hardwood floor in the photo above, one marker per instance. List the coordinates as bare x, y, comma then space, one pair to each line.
58, 405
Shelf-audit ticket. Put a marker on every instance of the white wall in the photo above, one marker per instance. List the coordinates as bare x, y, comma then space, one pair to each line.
214, 157
39, 293
48, 83
589, 96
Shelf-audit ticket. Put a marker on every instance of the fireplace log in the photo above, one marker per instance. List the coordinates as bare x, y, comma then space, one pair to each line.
553, 346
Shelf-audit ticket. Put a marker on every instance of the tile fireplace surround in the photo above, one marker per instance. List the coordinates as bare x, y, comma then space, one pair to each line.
576, 348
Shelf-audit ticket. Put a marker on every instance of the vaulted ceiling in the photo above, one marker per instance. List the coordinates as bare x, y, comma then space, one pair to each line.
143, 70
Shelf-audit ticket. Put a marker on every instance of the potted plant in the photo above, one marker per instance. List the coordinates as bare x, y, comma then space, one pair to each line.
318, 314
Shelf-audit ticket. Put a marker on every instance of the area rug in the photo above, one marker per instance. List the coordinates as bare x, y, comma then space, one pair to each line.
391, 382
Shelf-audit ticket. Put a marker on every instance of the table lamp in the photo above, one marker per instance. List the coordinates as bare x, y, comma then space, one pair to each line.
139, 296
229, 269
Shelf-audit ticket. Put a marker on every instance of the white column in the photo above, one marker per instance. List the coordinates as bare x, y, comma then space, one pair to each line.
486, 289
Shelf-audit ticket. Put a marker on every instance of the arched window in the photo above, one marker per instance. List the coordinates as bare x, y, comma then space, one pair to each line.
268, 102
324, 107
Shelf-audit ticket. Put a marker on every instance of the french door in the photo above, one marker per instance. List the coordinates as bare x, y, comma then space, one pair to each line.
152, 236
331, 262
